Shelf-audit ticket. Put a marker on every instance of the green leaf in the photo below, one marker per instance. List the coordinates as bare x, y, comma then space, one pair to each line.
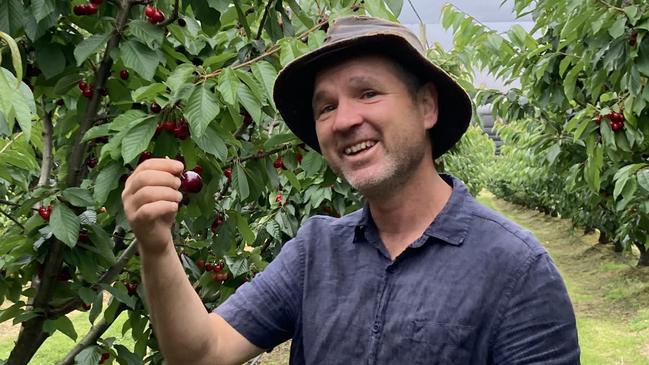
89, 46
88, 356
243, 227
377, 8
138, 138
241, 181
212, 143
120, 293
643, 178
278, 139
180, 76
107, 180
41, 9
252, 84
87, 295
96, 131
266, 75
312, 163
228, 85
553, 152
126, 357
63, 324
79, 197
16, 105
237, 265
148, 92
12, 16
65, 224
150, 34
16, 59
102, 242
140, 58
617, 29
250, 102
202, 107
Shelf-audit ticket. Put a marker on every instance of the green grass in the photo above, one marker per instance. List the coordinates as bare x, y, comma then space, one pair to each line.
610, 296
58, 345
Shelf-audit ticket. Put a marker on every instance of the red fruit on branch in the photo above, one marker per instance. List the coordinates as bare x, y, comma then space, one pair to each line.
279, 163
616, 117
83, 85
91, 162
149, 11
617, 126
91, 8
144, 156
200, 263
83, 236
209, 266
131, 288
123, 74
168, 126
633, 38
88, 93
218, 221
155, 108
181, 131
191, 182
298, 157
228, 173
598, 119
85, 306
220, 276
247, 118
279, 198
198, 169
104, 356
45, 213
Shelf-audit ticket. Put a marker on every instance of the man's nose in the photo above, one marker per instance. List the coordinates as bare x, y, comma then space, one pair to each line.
348, 115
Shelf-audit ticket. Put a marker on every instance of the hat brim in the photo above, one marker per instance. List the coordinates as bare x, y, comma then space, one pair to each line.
293, 89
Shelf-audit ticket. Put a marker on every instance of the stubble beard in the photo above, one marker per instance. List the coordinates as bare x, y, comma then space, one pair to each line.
397, 168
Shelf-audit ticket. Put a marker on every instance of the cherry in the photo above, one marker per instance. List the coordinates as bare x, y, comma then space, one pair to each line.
91, 162
200, 263
228, 173
191, 182
83, 85
144, 156
247, 118
149, 11
279, 163
155, 108
598, 119
298, 157
45, 213
218, 221
85, 306
88, 93
83, 236
104, 357
168, 125
131, 288
91, 8
181, 131
220, 276
617, 126
633, 38
209, 266
96, 2
123, 74
79, 10
279, 199
198, 169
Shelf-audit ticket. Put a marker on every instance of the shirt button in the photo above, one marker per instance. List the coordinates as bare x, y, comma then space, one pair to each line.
375, 328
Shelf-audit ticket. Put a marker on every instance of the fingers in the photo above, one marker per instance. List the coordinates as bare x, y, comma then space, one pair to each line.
155, 210
145, 178
150, 194
173, 167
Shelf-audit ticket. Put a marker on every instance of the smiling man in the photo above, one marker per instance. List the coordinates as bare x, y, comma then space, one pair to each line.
423, 274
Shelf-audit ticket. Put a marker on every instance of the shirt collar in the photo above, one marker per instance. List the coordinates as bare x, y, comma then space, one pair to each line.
451, 224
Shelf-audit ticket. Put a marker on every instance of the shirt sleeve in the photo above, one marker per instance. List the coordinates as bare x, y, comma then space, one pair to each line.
538, 321
265, 310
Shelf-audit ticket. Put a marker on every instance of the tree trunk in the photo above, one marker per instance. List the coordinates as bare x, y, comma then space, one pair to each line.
603, 238
617, 246
644, 254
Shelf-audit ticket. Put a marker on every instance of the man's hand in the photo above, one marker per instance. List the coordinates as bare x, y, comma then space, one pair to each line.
151, 200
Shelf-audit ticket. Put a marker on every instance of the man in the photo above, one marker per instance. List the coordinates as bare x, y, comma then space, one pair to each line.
422, 275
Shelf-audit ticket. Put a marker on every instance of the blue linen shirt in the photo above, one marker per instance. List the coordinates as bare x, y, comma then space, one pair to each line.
475, 288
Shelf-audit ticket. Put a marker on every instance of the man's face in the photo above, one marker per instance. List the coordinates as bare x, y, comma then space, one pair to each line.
371, 130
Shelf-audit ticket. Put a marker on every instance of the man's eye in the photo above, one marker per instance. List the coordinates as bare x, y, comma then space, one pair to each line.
369, 94
326, 109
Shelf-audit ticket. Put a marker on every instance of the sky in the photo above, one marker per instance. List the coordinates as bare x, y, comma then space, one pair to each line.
488, 12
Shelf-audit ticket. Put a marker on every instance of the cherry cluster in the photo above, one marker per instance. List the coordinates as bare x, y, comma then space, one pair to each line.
154, 15
86, 89
179, 128
216, 269
45, 212
87, 9
616, 120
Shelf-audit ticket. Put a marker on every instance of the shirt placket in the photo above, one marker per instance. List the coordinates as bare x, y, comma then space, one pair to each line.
376, 331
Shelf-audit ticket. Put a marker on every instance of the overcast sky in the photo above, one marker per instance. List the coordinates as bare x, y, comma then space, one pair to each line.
488, 12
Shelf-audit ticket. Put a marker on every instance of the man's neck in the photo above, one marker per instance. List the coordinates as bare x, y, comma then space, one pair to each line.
403, 216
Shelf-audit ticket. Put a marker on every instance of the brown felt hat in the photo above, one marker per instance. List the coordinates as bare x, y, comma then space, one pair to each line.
356, 36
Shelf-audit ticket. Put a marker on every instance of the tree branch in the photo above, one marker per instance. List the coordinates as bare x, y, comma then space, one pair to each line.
91, 337
12, 219
263, 18
242, 18
270, 52
7, 202
46, 163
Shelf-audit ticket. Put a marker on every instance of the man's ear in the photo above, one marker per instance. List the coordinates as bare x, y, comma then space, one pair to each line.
428, 102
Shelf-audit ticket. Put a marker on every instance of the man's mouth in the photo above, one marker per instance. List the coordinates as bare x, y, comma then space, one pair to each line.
359, 147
